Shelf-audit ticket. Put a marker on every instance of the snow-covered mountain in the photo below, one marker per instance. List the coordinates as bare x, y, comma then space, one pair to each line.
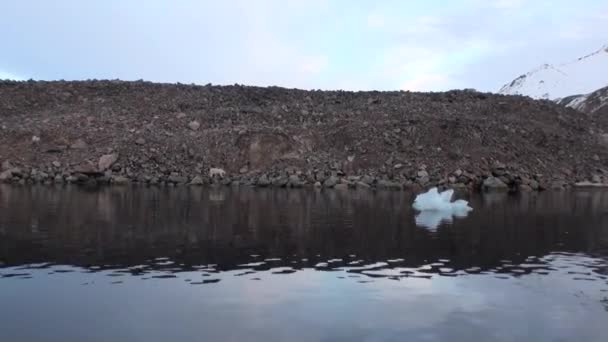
583, 75
595, 102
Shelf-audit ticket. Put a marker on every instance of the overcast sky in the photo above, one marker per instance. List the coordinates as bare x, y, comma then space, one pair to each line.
313, 44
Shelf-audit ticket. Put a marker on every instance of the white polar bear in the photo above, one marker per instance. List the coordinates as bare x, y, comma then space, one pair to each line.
216, 172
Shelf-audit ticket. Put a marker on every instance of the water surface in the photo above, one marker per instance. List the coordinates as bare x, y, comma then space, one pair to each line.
194, 264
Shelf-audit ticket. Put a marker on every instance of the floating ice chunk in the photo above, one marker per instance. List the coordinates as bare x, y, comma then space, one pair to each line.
437, 207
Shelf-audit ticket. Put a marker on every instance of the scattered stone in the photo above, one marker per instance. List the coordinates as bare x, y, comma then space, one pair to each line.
194, 125
35, 139
180, 115
596, 179
140, 141
56, 164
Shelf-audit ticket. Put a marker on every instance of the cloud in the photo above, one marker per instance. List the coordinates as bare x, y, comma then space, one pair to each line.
375, 20
508, 4
426, 82
313, 64
9, 76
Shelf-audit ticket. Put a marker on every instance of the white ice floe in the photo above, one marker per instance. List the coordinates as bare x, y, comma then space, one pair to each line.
437, 207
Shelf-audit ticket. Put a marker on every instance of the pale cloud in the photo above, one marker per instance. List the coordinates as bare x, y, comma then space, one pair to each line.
375, 20
9, 76
426, 82
508, 4
313, 64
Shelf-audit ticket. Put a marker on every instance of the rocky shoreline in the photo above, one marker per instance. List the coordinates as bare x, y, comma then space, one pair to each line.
95, 133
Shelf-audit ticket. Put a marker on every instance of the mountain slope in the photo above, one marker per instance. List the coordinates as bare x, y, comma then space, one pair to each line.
580, 76
102, 131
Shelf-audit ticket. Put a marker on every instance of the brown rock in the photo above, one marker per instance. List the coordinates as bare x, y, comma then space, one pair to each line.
106, 161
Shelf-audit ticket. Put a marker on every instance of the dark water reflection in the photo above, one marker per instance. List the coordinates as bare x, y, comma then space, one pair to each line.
252, 264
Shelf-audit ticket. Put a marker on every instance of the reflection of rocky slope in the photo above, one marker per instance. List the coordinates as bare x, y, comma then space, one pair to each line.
117, 226
159, 133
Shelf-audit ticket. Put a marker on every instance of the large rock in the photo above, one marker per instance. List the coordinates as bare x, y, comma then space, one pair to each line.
493, 183
106, 161
295, 182
6, 165
263, 181
386, 184
120, 180
197, 180
194, 125
331, 182
6, 176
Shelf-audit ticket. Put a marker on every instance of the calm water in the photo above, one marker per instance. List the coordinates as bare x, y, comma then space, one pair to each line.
277, 265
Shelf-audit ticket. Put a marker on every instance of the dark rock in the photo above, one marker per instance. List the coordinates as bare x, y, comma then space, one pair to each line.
363, 185
263, 181
197, 180
386, 184
295, 182
119, 180
331, 182
341, 186
280, 181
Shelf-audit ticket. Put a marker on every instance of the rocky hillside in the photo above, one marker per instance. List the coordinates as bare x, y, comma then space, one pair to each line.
96, 132
594, 103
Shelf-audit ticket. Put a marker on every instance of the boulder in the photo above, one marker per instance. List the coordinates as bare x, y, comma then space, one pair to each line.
263, 181
106, 161
341, 186
331, 182
493, 183
194, 125
197, 180
119, 180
